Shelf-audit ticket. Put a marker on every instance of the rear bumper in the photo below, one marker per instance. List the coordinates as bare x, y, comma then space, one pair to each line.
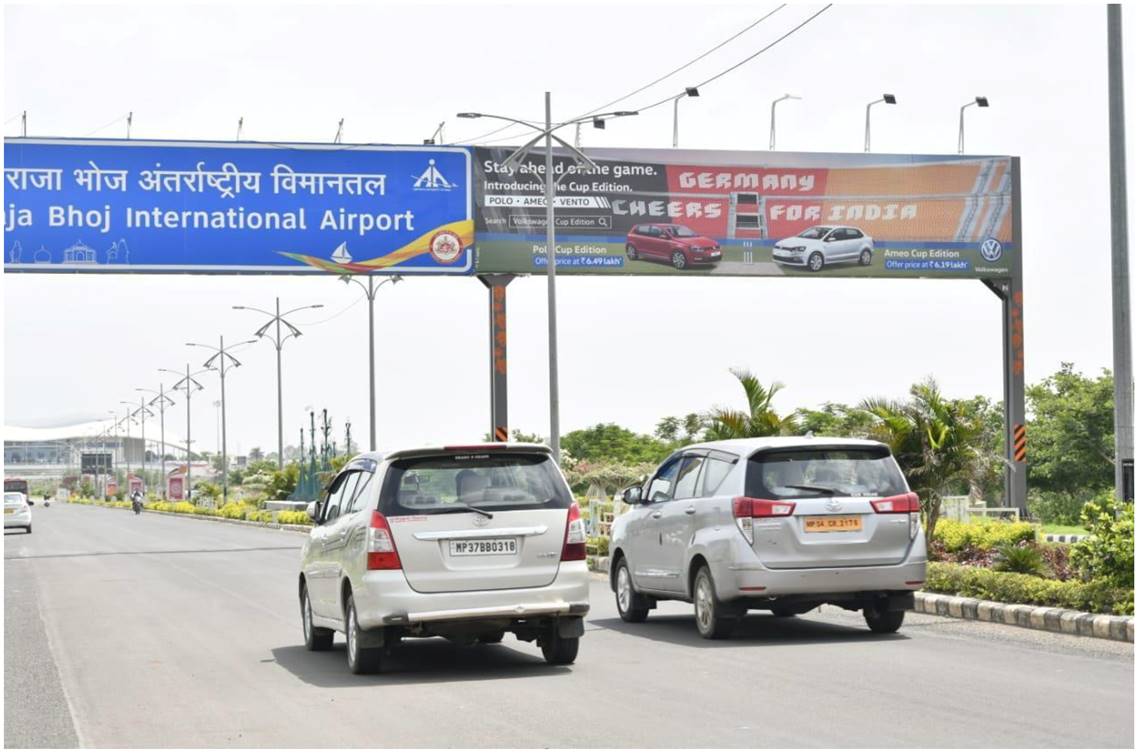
18, 520
387, 600
753, 580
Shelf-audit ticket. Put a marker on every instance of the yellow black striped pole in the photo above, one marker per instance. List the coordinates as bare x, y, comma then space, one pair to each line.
1020, 443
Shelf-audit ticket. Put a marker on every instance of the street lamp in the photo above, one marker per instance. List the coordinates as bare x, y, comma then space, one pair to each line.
773, 119
370, 292
277, 318
163, 400
220, 356
186, 383
689, 92
548, 134
128, 414
982, 102
888, 99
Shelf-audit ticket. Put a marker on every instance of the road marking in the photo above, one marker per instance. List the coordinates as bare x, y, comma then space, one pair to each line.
147, 553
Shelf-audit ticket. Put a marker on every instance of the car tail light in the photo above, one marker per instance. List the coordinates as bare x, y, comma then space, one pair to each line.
745, 509
381, 545
907, 503
574, 543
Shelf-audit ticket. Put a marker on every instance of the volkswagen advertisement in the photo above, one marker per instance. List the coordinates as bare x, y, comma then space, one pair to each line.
659, 212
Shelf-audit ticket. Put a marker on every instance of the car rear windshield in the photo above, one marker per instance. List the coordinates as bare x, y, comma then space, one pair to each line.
12, 498
487, 481
821, 472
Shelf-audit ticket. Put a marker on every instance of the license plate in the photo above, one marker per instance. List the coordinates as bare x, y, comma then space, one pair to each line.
482, 547
9, 511
832, 524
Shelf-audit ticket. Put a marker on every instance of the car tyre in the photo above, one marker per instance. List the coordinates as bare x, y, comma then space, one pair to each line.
866, 257
631, 604
316, 638
715, 620
815, 262
491, 637
558, 650
362, 661
678, 260
29, 529
883, 620
631, 251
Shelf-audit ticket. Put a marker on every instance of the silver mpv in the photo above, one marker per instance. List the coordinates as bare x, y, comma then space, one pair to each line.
464, 542
783, 524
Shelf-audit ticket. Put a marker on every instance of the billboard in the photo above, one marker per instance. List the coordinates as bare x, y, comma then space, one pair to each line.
94, 463
232, 207
670, 212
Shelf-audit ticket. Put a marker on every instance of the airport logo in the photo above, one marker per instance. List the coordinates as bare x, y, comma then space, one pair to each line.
446, 247
431, 180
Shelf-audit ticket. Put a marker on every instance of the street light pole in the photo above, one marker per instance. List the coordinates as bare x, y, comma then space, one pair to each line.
548, 134
689, 92
276, 319
888, 99
982, 102
773, 119
370, 291
221, 355
186, 382
163, 400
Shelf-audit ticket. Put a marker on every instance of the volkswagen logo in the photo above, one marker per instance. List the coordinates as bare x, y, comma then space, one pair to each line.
991, 249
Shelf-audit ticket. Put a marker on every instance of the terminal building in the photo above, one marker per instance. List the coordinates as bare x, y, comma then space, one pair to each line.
57, 452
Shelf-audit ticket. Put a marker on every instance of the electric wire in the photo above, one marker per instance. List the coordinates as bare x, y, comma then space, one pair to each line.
109, 123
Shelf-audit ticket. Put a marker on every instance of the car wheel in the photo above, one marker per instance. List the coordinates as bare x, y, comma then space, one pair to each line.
678, 260
866, 257
558, 650
491, 637
362, 661
714, 619
629, 601
883, 620
815, 262
316, 638
631, 251
29, 529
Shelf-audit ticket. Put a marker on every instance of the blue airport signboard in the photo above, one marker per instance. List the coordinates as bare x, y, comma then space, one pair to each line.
118, 206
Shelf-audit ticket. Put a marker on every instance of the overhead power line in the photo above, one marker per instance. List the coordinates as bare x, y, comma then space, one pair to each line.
640, 89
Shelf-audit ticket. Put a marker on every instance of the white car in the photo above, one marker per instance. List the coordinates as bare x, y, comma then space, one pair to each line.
464, 542
17, 513
818, 246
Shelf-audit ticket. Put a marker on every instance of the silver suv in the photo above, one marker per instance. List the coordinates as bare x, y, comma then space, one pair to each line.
783, 524
464, 542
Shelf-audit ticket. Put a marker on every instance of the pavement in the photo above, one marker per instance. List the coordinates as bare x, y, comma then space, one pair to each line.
145, 631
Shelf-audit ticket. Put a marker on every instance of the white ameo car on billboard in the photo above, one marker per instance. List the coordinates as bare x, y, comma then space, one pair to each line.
818, 246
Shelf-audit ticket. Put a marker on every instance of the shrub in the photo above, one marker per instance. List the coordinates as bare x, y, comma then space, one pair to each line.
288, 517
598, 545
1057, 508
975, 582
259, 515
985, 534
1057, 559
1025, 560
1108, 552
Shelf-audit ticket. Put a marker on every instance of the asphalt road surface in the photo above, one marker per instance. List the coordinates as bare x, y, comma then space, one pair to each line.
158, 631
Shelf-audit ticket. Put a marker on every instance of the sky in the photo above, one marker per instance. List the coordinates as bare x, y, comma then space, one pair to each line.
630, 350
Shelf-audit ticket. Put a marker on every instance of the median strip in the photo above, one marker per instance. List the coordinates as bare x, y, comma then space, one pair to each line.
1051, 619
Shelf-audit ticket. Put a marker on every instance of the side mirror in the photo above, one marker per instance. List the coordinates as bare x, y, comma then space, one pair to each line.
311, 511
632, 495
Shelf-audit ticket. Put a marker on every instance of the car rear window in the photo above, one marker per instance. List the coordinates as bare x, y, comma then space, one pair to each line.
12, 498
820, 472
490, 481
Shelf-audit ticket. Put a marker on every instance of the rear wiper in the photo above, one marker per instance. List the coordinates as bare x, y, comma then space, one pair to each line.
470, 508
821, 489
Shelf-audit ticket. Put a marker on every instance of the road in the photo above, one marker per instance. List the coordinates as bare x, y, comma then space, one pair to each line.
158, 631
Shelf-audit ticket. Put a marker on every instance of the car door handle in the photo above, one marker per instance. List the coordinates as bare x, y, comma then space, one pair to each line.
690, 509
657, 515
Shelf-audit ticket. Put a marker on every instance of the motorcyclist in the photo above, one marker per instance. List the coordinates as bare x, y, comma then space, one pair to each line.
137, 501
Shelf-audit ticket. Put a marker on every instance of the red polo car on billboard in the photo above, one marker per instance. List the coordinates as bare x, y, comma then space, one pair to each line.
672, 243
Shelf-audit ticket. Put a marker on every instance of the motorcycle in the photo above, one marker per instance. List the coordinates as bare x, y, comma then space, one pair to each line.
47, 502
137, 505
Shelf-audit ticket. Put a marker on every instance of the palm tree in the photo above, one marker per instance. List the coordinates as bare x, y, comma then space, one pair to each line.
760, 419
938, 442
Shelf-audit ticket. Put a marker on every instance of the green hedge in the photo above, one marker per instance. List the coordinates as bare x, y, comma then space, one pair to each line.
237, 511
287, 517
1098, 596
984, 535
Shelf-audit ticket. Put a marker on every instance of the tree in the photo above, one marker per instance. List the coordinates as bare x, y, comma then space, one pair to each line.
938, 442
759, 418
835, 419
1069, 437
256, 454
667, 429
608, 442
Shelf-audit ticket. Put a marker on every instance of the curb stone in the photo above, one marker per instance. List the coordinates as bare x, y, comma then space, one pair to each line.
1050, 619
